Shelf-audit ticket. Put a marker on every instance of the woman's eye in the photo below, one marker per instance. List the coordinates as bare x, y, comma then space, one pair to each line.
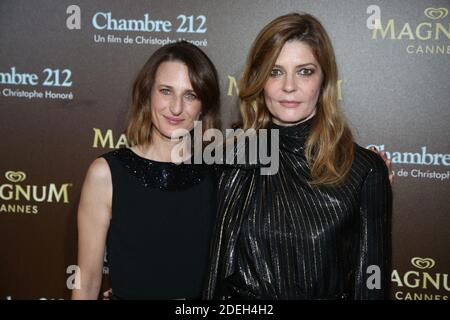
275, 73
306, 72
165, 92
191, 96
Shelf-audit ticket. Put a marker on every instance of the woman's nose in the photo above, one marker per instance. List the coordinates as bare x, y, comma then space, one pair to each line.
176, 107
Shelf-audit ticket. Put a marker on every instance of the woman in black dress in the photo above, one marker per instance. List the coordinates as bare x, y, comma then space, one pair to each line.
319, 228
155, 216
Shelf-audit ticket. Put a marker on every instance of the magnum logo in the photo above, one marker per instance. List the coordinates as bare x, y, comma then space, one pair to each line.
15, 176
436, 14
29, 195
421, 279
432, 29
422, 263
106, 140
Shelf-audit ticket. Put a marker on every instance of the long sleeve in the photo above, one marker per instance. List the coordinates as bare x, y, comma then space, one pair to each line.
372, 276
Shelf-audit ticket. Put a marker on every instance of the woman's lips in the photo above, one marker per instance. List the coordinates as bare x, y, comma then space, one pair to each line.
289, 103
173, 120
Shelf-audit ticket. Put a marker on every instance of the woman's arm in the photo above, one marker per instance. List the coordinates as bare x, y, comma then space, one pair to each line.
373, 268
94, 214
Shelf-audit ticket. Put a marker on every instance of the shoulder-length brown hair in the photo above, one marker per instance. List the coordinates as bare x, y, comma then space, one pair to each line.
204, 80
329, 146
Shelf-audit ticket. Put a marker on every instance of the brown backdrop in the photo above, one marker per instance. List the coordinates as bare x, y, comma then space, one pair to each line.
65, 87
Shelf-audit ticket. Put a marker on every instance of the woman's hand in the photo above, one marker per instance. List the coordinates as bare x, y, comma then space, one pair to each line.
388, 163
107, 295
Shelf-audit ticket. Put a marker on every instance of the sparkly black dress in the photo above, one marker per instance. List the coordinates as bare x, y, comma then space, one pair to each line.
277, 237
159, 234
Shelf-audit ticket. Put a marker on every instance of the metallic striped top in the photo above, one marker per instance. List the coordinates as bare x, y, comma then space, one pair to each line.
278, 237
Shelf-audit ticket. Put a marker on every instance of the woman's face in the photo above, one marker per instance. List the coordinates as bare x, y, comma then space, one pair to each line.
293, 87
174, 104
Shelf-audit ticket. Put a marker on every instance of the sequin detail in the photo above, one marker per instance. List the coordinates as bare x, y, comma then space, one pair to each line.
165, 176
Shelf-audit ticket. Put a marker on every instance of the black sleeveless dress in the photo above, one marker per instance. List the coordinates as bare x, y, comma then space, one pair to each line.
159, 234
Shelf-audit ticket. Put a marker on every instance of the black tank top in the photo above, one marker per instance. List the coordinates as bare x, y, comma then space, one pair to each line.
162, 216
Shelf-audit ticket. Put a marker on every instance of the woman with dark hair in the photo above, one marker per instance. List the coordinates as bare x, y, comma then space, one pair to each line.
155, 215
319, 228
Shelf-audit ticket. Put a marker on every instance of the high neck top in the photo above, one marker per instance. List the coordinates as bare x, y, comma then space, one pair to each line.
293, 138
279, 237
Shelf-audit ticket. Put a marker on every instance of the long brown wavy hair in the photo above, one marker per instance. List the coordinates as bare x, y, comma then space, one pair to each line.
329, 147
204, 80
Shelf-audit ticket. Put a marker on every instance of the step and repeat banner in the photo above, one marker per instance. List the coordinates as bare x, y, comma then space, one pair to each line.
66, 69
